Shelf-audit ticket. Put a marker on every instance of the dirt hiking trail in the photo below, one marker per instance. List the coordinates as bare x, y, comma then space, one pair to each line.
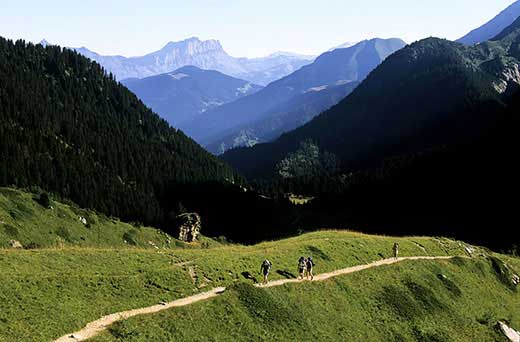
95, 327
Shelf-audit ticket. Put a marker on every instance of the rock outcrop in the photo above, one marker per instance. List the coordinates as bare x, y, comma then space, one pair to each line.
188, 226
511, 334
510, 77
15, 244
516, 279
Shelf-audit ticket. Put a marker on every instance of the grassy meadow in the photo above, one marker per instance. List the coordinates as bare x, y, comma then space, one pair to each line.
456, 300
24, 219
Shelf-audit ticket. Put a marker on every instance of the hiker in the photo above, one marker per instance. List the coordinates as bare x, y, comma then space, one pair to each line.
396, 250
265, 268
309, 265
302, 264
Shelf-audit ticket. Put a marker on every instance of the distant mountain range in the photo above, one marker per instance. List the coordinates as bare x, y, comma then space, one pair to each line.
494, 26
187, 92
432, 92
227, 124
208, 55
282, 118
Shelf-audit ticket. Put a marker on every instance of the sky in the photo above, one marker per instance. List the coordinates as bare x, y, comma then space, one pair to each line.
246, 28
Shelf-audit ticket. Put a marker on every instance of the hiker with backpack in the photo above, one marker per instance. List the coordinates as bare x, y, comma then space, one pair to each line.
396, 250
309, 263
264, 269
302, 264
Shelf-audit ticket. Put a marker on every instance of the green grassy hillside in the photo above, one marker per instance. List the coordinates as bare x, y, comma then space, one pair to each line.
47, 293
24, 219
458, 300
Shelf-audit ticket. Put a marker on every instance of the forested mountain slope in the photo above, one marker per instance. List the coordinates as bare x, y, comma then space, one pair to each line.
461, 189
68, 127
431, 92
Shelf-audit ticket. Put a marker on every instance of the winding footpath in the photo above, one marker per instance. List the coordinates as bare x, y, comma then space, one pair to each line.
95, 327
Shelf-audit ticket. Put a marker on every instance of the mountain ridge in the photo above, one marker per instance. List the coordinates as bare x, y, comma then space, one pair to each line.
492, 27
341, 65
282, 118
208, 54
187, 92
484, 72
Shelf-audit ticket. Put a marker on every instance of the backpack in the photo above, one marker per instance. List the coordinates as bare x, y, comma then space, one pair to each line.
310, 263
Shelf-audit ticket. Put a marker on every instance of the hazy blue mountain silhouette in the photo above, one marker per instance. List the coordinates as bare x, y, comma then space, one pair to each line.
283, 118
183, 94
336, 67
493, 27
208, 55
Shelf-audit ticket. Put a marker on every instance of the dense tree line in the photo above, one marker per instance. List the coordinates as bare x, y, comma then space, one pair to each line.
307, 160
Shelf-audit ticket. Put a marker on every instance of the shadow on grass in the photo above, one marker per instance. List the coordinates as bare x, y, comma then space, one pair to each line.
249, 276
286, 274
318, 253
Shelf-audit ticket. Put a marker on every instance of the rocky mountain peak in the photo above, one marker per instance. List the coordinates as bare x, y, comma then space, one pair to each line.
193, 46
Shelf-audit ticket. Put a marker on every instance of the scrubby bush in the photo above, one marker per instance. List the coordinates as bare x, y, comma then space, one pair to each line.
45, 200
129, 237
64, 233
32, 245
11, 231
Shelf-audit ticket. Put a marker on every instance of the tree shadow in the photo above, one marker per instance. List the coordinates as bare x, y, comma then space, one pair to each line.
44, 200
318, 253
248, 276
286, 274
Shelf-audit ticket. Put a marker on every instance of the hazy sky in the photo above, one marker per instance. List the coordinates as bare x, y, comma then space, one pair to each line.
244, 27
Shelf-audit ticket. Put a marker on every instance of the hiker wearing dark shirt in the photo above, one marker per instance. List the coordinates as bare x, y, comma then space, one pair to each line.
309, 263
264, 269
